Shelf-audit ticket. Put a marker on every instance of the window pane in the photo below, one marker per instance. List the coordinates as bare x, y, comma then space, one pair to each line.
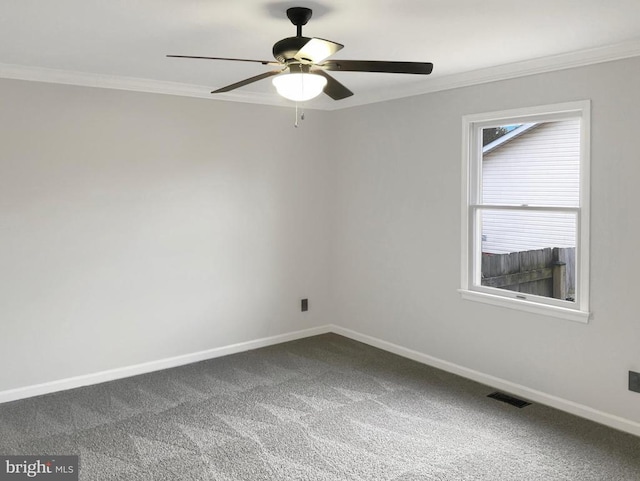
532, 164
529, 251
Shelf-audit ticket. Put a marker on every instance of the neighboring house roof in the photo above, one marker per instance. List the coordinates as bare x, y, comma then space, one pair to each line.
508, 137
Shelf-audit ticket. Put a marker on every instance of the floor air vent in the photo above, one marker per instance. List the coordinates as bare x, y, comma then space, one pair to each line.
505, 398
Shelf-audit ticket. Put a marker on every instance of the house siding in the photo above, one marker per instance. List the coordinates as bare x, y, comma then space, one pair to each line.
539, 167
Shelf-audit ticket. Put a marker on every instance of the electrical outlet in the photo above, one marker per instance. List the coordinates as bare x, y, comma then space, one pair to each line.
634, 381
304, 305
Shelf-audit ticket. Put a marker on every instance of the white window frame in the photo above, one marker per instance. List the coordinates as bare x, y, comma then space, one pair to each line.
472, 126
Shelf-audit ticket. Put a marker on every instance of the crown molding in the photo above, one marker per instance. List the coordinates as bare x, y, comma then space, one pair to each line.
85, 79
497, 73
68, 77
433, 84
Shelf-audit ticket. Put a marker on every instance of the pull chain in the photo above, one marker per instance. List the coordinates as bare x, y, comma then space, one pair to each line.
301, 117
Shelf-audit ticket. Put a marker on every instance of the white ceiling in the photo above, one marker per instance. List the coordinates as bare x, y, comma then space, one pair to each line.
123, 43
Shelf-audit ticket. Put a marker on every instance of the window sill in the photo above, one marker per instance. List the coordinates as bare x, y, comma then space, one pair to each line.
528, 306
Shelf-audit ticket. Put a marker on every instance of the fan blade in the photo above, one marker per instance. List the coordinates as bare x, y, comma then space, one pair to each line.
316, 50
334, 89
263, 62
248, 81
420, 68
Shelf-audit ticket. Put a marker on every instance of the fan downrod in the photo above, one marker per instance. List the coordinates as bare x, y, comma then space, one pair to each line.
299, 16
285, 50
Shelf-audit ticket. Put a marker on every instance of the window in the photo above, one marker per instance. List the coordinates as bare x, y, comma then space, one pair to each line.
525, 219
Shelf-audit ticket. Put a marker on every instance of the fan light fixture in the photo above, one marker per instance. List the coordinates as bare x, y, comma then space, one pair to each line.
299, 86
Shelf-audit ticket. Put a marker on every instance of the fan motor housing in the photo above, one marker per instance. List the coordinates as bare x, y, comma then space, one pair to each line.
285, 49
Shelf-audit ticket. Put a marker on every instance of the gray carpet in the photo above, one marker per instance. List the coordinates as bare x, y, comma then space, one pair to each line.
322, 408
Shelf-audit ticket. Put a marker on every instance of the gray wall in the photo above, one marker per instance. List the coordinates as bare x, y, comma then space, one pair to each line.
396, 238
138, 227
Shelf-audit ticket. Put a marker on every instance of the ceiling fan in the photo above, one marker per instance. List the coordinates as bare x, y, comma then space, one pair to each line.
303, 65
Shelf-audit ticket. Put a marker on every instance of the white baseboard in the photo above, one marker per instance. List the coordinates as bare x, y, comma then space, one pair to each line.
565, 405
128, 371
571, 407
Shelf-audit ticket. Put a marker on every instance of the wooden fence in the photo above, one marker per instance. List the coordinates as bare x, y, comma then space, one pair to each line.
548, 272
